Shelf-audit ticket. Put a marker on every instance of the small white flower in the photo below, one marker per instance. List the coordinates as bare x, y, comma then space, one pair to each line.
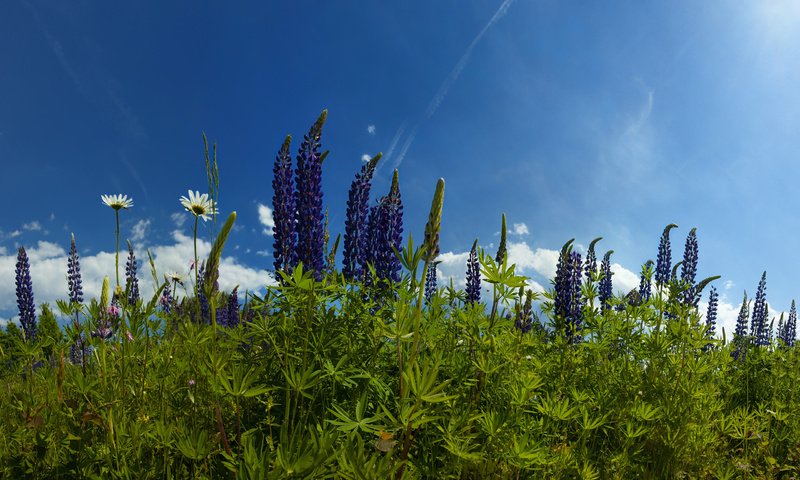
199, 205
117, 201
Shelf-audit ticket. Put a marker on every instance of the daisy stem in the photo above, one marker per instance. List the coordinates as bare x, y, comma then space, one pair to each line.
196, 268
116, 257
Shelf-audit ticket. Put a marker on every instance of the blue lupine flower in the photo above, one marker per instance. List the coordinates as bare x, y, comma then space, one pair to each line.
711, 314
740, 338
664, 260
373, 240
790, 329
389, 234
25, 303
233, 308
355, 232
284, 211
166, 298
310, 214
473, 276
74, 274
524, 321
568, 303
430, 282
689, 268
605, 291
131, 282
645, 284
205, 308
590, 268
758, 326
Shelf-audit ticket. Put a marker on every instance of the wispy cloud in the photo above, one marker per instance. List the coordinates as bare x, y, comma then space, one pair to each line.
520, 229
371, 129
178, 218
135, 174
139, 230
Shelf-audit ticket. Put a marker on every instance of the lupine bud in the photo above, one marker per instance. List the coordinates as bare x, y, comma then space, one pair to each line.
605, 291
502, 251
473, 276
131, 282
205, 308
25, 303
308, 176
791, 326
283, 214
74, 274
664, 260
434, 224
355, 233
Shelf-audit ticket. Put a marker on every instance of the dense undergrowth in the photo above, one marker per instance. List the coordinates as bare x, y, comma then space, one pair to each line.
371, 373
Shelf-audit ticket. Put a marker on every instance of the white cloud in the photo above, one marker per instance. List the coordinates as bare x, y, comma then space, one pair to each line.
365, 158
49, 265
262, 253
139, 231
543, 261
371, 129
728, 284
33, 226
14, 234
622, 279
178, 218
3, 250
520, 229
52, 216
265, 217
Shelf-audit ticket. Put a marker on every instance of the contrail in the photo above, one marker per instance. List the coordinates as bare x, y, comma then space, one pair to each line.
450, 80
462, 62
395, 139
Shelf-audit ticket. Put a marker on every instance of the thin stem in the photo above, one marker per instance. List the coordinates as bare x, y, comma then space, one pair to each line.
116, 257
196, 268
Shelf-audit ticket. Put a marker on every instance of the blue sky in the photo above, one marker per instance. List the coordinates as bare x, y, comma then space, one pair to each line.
576, 120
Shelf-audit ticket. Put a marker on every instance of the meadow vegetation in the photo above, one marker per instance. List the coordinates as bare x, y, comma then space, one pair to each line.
359, 365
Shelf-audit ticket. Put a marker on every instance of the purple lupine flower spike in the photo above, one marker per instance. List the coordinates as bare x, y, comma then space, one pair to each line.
605, 290
131, 282
711, 315
25, 303
166, 298
473, 276
568, 303
430, 282
790, 330
740, 334
310, 214
689, 267
389, 233
590, 267
283, 205
645, 283
355, 234
758, 326
233, 308
664, 260
74, 274
524, 321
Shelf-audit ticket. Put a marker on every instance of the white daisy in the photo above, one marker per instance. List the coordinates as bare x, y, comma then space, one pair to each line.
199, 205
117, 201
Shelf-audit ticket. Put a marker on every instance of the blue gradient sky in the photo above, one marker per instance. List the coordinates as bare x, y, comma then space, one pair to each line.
576, 120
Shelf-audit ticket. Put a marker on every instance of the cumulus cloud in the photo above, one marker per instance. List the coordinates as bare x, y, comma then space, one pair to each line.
622, 279
139, 230
365, 158
371, 129
265, 217
33, 226
178, 218
728, 284
520, 229
49, 265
